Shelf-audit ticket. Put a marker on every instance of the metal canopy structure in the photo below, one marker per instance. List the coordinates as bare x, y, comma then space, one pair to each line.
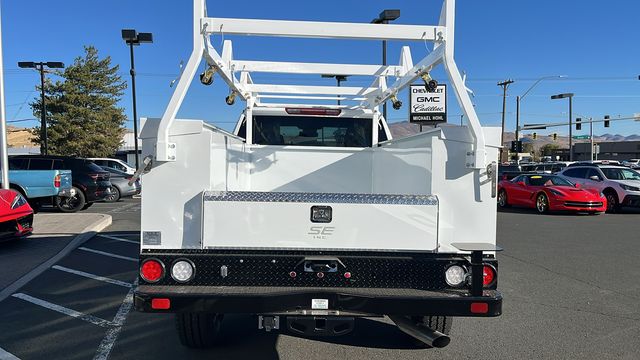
237, 73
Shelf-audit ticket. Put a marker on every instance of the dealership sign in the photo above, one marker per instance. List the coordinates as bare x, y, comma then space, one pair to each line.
427, 107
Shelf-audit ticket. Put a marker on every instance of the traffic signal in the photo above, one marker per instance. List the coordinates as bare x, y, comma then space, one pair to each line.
578, 124
535, 136
606, 120
516, 146
555, 136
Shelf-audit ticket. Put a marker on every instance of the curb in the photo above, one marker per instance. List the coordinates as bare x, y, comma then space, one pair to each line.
86, 234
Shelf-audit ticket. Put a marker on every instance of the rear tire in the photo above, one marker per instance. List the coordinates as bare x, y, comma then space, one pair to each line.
71, 204
114, 196
437, 323
199, 330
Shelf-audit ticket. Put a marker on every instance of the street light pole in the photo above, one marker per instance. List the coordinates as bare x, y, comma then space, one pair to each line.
132, 72
520, 98
43, 121
131, 38
384, 18
4, 156
570, 96
339, 79
44, 149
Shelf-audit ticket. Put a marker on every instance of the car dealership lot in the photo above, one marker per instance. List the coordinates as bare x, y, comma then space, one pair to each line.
569, 283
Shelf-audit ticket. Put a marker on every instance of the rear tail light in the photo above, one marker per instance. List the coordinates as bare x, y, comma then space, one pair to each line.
152, 270
313, 111
56, 181
488, 275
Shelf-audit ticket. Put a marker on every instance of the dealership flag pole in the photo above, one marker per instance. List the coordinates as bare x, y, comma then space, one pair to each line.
4, 160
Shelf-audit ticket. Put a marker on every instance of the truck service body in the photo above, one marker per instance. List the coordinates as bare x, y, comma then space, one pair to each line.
311, 215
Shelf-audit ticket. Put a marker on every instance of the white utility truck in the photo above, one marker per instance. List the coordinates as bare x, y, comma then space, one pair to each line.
311, 215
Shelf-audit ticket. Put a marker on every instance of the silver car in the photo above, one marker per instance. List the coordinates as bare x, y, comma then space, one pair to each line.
120, 185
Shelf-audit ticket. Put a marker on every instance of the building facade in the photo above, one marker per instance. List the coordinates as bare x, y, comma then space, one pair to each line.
620, 150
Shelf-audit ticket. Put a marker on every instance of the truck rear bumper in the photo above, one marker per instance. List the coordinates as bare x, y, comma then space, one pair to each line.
294, 300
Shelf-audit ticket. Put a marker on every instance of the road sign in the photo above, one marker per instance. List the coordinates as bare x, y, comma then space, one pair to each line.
581, 137
427, 107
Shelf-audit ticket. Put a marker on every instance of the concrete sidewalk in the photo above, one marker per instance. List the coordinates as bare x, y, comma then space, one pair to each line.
54, 236
48, 224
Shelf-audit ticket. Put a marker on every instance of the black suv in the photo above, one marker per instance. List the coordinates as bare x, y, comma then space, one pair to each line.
90, 182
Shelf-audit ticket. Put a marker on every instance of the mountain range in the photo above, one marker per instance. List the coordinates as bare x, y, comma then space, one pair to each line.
402, 129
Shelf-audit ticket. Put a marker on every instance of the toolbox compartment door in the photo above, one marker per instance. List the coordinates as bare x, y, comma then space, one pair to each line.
281, 220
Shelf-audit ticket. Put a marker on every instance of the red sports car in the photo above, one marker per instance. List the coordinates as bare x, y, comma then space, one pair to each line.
549, 193
16, 216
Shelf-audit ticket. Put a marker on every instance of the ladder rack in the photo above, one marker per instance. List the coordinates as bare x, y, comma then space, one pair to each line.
237, 73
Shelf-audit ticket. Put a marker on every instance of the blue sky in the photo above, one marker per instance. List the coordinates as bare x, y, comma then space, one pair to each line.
593, 43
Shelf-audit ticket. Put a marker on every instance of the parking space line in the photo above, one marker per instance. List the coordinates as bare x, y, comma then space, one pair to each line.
92, 276
63, 310
103, 351
119, 239
108, 254
5, 355
123, 208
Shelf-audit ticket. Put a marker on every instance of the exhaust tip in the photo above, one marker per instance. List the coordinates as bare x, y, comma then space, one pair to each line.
441, 341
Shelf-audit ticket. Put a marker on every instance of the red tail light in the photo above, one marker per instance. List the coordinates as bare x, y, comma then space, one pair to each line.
56, 181
152, 270
313, 111
488, 275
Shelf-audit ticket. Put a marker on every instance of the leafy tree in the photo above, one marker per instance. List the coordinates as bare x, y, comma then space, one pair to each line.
527, 147
549, 149
83, 118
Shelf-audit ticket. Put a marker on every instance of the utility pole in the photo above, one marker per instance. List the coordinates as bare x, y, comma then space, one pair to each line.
591, 135
505, 85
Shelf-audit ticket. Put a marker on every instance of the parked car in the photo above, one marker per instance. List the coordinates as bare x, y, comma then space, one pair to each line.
548, 167
619, 184
632, 163
120, 185
38, 185
16, 216
114, 164
549, 193
596, 163
90, 182
508, 171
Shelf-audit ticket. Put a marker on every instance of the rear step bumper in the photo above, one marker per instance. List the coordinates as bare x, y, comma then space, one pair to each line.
291, 300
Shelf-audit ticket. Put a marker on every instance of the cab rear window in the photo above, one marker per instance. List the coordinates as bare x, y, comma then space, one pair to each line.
312, 131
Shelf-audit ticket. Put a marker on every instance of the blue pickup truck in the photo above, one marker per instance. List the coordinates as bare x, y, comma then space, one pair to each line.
39, 186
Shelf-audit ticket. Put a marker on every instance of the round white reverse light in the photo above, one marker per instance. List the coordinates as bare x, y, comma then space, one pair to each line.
455, 275
182, 271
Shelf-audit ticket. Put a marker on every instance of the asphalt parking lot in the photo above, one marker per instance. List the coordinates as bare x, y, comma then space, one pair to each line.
569, 282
